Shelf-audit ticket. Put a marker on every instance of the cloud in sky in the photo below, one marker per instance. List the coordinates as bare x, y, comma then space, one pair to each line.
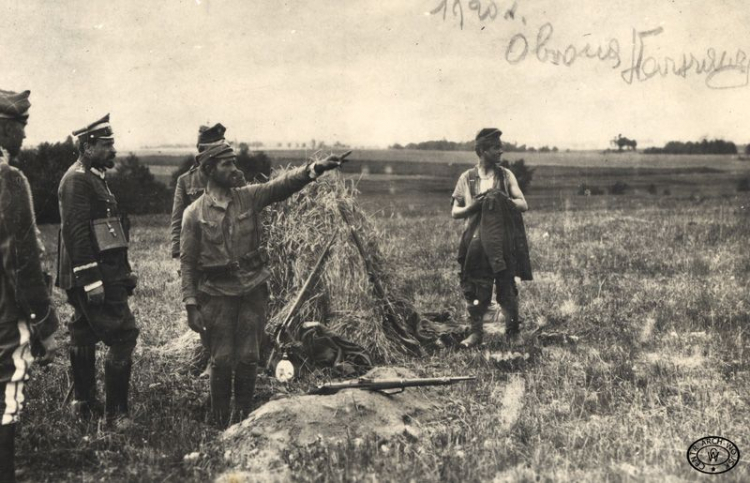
369, 73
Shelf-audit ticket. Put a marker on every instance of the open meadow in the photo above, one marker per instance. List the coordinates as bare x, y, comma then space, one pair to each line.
646, 292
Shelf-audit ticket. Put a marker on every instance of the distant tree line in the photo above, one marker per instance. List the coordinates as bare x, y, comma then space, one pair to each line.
136, 189
256, 166
445, 145
716, 146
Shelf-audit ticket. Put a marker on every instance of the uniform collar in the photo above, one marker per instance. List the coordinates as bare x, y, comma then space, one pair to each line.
4, 156
214, 201
97, 172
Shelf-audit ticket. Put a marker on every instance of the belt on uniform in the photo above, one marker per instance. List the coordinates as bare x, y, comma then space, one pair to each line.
250, 261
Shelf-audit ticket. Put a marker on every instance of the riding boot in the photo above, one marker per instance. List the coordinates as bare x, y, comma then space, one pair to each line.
221, 395
244, 388
116, 383
512, 323
83, 364
7, 453
477, 331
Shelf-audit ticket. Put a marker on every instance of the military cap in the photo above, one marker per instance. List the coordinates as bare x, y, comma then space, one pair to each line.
100, 129
488, 133
14, 105
219, 151
211, 135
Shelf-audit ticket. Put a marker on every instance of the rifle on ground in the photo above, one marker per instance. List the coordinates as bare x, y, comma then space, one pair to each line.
382, 385
301, 297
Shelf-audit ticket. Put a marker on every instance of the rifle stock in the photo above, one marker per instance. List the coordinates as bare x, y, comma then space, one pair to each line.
299, 300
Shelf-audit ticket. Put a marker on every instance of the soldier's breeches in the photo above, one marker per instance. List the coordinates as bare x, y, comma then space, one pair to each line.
15, 361
235, 327
111, 322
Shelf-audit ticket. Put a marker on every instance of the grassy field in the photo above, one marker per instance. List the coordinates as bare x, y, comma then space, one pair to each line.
653, 286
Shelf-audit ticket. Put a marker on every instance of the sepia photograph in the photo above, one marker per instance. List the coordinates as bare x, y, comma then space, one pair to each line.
435, 240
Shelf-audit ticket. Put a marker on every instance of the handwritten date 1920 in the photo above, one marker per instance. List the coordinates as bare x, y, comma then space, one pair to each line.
485, 10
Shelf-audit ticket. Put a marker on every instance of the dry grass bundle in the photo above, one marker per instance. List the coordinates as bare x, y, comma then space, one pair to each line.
297, 231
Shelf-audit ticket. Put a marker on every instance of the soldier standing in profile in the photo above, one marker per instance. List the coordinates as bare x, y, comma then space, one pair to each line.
93, 269
224, 274
27, 317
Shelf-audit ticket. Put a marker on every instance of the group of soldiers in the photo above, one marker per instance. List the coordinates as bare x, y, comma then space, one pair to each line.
224, 277
217, 235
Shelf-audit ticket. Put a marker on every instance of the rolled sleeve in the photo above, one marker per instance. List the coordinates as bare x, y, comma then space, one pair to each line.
460, 191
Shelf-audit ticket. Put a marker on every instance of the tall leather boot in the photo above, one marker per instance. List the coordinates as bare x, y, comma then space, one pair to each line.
117, 383
83, 364
221, 395
7, 453
477, 331
244, 388
512, 322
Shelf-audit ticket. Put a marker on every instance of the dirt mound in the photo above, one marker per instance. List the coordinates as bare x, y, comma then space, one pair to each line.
258, 443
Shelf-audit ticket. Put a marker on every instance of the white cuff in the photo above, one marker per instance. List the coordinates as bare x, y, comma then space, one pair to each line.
92, 286
311, 171
84, 267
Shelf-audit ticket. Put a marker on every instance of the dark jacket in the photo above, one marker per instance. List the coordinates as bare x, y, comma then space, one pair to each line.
495, 236
24, 292
220, 247
189, 187
84, 196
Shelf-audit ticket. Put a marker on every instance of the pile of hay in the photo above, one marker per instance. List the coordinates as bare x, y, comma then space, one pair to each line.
296, 232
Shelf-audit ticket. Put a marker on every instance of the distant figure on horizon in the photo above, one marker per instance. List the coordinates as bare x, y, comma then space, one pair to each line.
621, 141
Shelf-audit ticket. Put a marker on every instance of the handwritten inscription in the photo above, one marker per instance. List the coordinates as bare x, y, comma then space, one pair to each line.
486, 10
518, 50
722, 69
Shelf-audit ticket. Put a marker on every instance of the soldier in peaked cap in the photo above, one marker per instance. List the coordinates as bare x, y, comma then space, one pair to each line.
26, 312
192, 184
493, 248
94, 270
224, 274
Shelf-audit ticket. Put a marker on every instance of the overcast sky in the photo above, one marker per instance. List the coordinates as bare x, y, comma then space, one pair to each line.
377, 72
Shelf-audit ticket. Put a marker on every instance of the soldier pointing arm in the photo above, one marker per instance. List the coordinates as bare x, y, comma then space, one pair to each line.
224, 274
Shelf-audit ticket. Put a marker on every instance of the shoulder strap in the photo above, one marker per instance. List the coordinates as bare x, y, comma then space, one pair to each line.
502, 174
471, 179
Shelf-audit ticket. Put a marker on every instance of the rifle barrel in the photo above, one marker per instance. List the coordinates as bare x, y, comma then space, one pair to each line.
383, 384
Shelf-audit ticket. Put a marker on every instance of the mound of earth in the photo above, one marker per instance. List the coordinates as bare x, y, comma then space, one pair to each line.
258, 443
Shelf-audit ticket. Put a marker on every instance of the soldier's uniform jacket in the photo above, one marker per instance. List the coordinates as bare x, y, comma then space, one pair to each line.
189, 187
220, 250
84, 197
24, 293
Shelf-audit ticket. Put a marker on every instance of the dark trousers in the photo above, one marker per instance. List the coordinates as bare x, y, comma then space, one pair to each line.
235, 326
478, 296
111, 322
